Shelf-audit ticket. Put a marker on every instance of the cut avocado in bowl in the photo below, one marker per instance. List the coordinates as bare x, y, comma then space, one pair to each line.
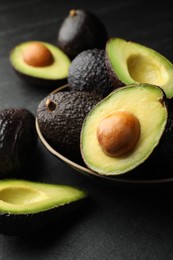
130, 62
123, 130
26, 206
40, 63
137, 176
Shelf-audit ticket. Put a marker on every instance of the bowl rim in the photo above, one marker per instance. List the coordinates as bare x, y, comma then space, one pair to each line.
87, 171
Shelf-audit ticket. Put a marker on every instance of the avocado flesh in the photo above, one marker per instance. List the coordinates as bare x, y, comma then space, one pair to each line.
26, 197
56, 71
144, 101
134, 63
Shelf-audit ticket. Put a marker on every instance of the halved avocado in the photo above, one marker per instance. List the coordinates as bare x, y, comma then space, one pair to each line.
40, 63
26, 206
130, 62
122, 131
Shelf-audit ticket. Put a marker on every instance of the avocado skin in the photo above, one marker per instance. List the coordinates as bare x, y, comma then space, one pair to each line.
26, 224
80, 32
18, 140
61, 127
87, 72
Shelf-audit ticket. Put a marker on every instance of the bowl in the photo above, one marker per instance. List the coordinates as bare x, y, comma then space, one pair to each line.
81, 168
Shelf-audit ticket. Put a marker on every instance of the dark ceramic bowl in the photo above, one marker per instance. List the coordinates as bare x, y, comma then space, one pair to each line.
85, 171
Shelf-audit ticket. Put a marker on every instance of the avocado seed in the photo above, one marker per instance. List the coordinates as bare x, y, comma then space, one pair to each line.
118, 133
36, 54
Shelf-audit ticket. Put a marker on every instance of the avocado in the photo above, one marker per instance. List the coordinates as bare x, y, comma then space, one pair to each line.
18, 140
79, 31
60, 116
40, 63
130, 62
27, 206
125, 129
87, 72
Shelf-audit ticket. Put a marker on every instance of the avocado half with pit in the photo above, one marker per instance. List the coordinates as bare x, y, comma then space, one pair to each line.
27, 206
123, 130
130, 62
40, 63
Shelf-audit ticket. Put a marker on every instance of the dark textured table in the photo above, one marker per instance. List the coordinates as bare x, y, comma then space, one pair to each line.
121, 222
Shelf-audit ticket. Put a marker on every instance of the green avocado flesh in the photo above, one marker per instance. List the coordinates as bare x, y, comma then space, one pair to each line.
26, 197
132, 62
55, 71
146, 103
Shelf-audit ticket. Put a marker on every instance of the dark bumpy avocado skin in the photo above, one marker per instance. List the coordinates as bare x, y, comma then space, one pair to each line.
88, 72
80, 31
18, 139
61, 127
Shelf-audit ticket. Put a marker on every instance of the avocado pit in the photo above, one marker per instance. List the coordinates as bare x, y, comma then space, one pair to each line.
118, 133
37, 55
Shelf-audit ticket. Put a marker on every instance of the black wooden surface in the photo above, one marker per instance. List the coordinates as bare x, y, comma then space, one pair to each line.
120, 222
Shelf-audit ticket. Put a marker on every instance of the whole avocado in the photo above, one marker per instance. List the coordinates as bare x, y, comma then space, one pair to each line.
88, 72
60, 116
18, 140
81, 30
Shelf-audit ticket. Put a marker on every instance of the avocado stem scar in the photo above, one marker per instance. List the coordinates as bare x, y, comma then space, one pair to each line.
73, 12
50, 105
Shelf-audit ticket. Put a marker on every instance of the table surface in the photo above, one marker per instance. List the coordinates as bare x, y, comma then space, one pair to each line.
121, 221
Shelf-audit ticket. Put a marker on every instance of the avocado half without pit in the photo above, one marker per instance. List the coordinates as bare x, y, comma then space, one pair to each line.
27, 206
123, 130
130, 62
40, 63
